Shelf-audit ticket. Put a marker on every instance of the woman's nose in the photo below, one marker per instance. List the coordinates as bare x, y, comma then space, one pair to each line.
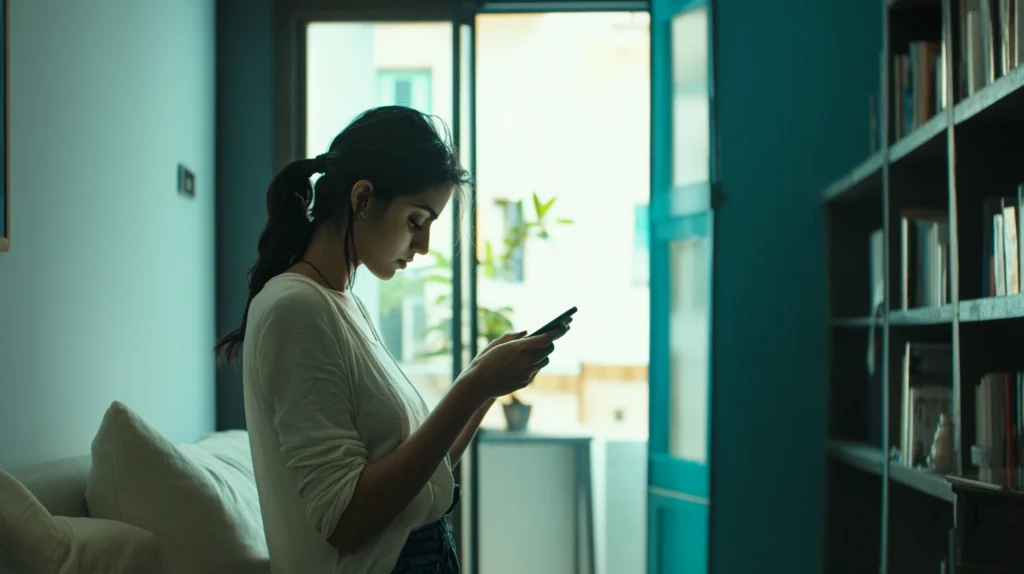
421, 242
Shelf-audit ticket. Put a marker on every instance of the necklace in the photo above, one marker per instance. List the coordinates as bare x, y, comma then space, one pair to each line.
320, 273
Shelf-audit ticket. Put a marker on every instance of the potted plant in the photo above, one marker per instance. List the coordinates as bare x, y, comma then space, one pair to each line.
517, 413
496, 263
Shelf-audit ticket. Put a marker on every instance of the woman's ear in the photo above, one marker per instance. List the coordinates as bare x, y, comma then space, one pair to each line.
362, 194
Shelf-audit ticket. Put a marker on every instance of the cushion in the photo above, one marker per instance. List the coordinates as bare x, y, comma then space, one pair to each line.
32, 541
59, 485
199, 500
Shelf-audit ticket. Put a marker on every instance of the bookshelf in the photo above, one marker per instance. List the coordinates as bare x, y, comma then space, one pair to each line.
925, 241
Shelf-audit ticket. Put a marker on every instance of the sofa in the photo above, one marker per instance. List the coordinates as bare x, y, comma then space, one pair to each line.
136, 504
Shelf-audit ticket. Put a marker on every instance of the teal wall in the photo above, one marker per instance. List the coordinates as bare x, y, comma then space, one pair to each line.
108, 290
793, 81
245, 161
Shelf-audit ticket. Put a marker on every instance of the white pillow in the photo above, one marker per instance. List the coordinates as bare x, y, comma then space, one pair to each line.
34, 542
199, 499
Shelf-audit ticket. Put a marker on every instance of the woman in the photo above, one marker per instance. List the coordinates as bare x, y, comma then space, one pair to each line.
353, 471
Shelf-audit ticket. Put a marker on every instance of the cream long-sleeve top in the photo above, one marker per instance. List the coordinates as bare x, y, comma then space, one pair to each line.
324, 397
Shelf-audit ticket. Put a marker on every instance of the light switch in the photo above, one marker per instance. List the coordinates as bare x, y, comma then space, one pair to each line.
186, 181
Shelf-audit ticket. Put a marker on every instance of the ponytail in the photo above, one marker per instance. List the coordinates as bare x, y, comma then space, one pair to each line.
282, 242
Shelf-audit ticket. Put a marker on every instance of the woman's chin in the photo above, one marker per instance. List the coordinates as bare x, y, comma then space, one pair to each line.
382, 272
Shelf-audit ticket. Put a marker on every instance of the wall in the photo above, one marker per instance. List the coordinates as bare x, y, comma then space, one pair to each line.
108, 290
793, 84
245, 166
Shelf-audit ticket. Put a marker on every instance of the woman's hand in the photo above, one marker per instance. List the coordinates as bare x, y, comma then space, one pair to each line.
511, 361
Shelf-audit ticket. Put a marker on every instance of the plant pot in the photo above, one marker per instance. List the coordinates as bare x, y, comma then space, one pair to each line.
517, 415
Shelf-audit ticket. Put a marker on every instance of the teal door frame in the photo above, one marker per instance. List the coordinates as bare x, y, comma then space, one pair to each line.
682, 227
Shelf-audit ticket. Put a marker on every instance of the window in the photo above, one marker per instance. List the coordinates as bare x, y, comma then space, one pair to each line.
641, 243
507, 259
409, 88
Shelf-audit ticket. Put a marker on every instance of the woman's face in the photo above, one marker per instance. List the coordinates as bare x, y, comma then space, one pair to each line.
388, 238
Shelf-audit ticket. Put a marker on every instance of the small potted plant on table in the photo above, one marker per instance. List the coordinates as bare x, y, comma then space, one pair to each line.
517, 413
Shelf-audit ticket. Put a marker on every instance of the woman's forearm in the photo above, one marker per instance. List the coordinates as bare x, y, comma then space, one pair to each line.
468, 432
387, 486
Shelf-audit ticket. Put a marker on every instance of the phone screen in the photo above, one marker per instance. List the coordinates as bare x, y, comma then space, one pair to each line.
554, 322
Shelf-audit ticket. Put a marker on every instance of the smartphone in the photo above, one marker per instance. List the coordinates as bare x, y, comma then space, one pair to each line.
554, 322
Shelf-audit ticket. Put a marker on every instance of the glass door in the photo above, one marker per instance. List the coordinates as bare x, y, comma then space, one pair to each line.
682, 238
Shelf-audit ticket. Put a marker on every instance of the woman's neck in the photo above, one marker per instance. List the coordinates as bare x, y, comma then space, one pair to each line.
324, 262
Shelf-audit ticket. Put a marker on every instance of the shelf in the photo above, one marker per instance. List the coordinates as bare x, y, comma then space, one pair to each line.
1007, 307
922, 480
913, 4
855, 322
992, 309
922, 316
870, 459
865, 457
862, 180
927, 140
1008, 480
1001, 100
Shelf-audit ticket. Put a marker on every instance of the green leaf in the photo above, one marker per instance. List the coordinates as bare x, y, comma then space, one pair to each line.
564, 221
440, 261
550, 203
538, 206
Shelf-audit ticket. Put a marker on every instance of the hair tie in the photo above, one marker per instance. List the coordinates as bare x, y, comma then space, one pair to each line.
320, 163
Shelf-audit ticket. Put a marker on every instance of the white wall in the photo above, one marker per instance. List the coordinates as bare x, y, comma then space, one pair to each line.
108, 290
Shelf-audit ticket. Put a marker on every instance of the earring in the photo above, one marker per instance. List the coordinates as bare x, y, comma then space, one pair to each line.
362, 215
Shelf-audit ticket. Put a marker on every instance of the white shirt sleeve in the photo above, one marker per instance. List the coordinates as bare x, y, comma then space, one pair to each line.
309, 383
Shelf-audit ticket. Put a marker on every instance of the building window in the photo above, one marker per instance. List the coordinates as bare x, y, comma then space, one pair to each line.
507, 256
641, 246
409, 88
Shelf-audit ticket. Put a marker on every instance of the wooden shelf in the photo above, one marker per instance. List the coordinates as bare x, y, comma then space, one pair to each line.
964, 158
1008, 480
855, 322
928, 140
992, 309
907, 318
1004, 308
861, 181
913, 4
922, 316
871, 459
1000, 100
922, 480
863, 456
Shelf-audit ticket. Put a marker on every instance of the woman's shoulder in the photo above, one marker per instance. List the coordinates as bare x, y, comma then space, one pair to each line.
292, 298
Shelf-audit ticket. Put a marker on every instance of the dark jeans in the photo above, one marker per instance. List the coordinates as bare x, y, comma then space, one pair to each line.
431, 549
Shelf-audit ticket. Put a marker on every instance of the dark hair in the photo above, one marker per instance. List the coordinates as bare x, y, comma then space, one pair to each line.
398, 149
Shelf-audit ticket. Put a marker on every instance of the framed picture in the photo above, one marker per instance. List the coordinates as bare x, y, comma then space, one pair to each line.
5, 137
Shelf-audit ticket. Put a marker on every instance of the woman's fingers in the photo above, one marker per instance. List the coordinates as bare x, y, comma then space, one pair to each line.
503, 339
